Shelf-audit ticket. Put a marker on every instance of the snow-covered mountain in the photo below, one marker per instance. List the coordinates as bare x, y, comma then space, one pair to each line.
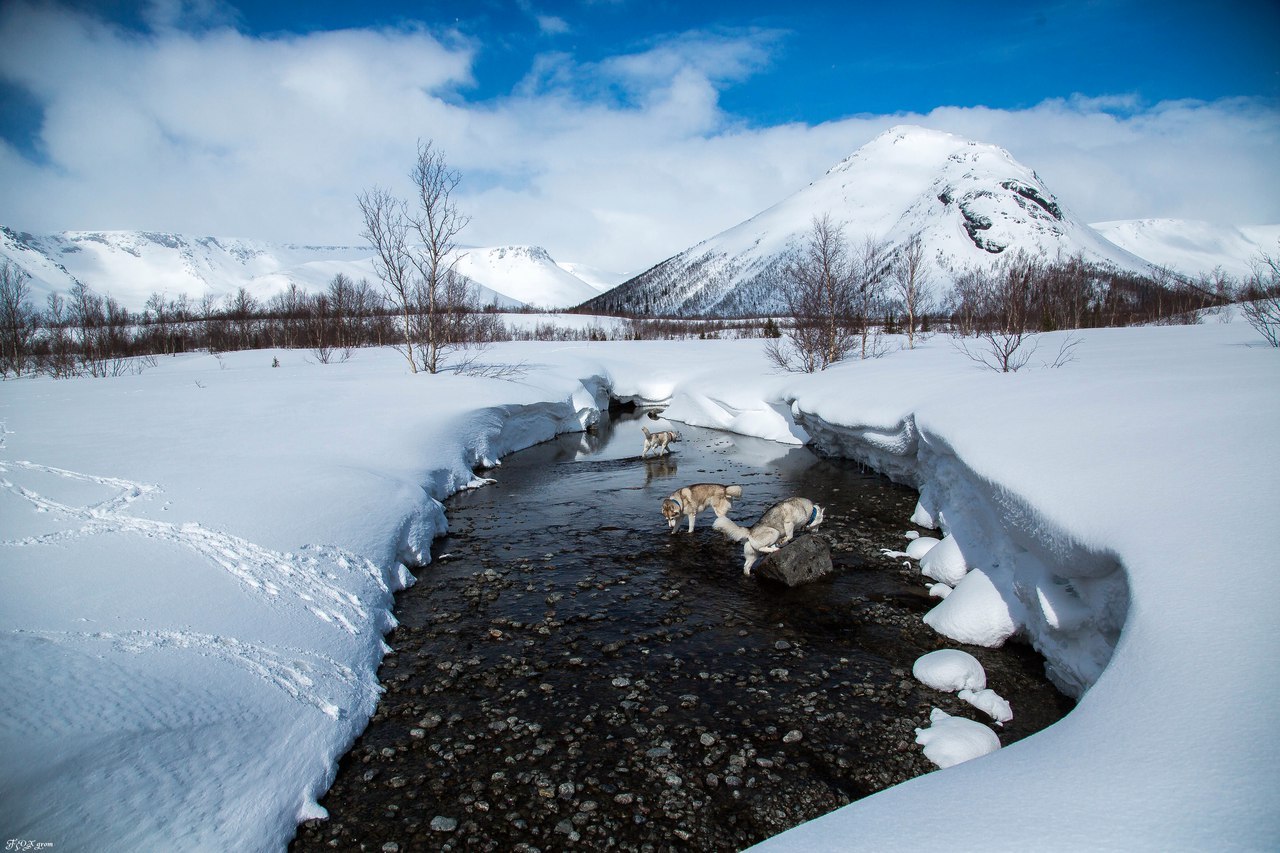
526, 273
601, 280
131, 265
1194, 248
969, 201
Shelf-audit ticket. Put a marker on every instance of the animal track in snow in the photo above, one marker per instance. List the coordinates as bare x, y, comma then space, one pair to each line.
307, 677
312, 576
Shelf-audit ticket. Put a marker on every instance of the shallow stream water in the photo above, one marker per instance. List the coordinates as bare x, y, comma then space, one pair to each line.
567, 675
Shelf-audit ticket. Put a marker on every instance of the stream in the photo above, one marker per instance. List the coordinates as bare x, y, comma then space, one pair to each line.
568, 675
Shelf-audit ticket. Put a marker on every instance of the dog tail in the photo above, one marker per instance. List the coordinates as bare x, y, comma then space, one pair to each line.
645, 430
734, 531
733, 491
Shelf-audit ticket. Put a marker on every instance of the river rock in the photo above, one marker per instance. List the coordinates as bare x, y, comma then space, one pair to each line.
802, 560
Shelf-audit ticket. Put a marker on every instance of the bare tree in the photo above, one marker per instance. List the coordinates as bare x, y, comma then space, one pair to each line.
386, 227
87, 316
415, 257
869, 271
158, 317
818, 287
1001, 304
909, 273
242, 310
442, 295
17, 318
61, 362
1261, 303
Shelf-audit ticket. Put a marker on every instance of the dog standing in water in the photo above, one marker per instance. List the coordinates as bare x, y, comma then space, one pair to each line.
692, 500
658, 441
774, 529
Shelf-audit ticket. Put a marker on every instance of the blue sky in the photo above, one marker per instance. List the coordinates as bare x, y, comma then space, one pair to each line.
828, 60
572, 120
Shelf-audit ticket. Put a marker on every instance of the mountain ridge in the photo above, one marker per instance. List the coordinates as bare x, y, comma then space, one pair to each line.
131, 265
969, 202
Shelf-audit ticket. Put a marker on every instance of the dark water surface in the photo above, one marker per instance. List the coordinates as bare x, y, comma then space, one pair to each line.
567, 675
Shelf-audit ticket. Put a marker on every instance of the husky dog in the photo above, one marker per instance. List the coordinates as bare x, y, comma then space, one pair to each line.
692, 500
658, 441
774, 529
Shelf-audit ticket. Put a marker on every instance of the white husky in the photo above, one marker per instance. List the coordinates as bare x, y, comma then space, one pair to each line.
774, 529
658, 441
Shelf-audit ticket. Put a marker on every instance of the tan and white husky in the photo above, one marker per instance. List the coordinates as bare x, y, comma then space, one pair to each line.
692, 500
774, 529
658, 441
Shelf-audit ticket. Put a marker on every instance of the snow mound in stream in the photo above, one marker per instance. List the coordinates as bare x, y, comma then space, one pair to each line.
950, 740
950, 670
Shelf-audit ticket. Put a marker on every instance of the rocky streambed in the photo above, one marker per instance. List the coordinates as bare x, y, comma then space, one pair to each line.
567, 675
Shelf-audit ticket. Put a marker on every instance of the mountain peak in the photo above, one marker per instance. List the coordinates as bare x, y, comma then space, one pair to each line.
968, 201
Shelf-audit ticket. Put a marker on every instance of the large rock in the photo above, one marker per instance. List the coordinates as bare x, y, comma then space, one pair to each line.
802, 560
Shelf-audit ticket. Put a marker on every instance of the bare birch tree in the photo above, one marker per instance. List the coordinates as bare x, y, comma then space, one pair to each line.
869, 261
909, 272
442, 295
17, 318
415, 258
1261, 299
819, 291
386, 227
1000, 303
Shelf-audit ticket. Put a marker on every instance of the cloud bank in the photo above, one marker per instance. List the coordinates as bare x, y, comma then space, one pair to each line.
617, 163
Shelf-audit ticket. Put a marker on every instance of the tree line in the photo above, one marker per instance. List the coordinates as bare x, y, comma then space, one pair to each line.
86, 333
842, 300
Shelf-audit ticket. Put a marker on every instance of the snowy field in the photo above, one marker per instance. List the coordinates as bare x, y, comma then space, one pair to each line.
197, 566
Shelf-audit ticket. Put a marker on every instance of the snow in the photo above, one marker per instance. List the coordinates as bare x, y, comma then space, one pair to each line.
950, 670
944, 563
1191, 247
526, 273
198, 566
989, 702
131, 265
908, 180
920, 545
975, 611
949, 740
601, 280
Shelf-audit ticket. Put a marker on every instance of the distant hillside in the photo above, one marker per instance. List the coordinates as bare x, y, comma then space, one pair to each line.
1194, 248
131, 265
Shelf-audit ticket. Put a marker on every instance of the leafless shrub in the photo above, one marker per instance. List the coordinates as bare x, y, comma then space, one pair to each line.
1066, 352
470, 365
1000, 302
1261, 299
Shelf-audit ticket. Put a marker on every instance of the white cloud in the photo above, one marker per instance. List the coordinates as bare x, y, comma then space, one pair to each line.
618, 163
552, 25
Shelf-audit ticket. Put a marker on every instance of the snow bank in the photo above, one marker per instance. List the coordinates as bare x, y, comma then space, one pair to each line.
1102, 508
